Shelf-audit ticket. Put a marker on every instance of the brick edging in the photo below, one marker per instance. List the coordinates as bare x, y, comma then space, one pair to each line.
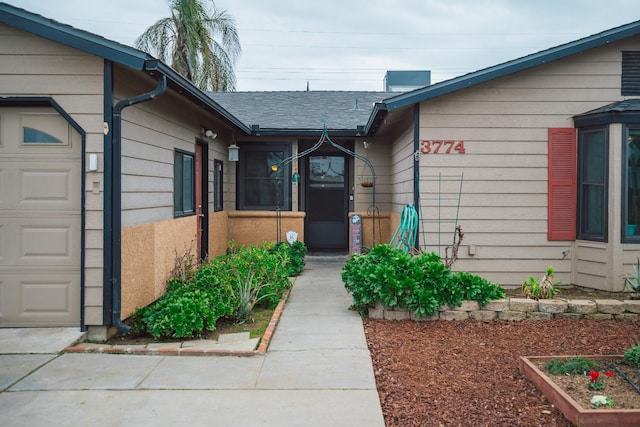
516, 309
189, 351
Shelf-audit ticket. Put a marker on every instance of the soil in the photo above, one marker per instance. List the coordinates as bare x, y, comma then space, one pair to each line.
463, 373
616, 387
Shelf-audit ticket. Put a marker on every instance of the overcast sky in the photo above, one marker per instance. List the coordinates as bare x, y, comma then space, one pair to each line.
350, 44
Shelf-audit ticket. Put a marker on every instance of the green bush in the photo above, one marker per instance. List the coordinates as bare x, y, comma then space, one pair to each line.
229, 285
420, 283
257, 274
293, 254
632, 356
571, 365
186, 310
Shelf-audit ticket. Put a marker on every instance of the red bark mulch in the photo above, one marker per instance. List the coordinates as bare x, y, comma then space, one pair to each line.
465, 373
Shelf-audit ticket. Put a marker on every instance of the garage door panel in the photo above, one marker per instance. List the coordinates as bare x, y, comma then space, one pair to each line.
32, 242
39, 186
50, 244
7, 293
40, 299
44, 186
3, 245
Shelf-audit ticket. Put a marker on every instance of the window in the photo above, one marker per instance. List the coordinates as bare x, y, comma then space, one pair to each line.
35, 136
217, 185
631, 183
592, 184
630, 73
183, 183
261, 184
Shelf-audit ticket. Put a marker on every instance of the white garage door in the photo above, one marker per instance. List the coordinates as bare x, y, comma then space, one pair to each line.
40, 189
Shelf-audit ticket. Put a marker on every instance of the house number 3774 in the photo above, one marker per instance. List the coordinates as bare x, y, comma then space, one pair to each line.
445, 147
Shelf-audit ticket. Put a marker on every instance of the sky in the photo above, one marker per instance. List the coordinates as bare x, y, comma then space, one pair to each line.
350, 44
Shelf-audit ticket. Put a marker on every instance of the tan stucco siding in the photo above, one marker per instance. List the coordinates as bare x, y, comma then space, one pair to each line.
218, 233
257, 227
149, 254
504, 123
33, 66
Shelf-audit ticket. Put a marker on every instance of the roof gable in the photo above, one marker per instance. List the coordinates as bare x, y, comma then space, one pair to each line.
112, 51
72, 37
514, 66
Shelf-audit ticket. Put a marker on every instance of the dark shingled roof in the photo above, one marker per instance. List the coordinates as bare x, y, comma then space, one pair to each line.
620, 106
618, 112
301, 110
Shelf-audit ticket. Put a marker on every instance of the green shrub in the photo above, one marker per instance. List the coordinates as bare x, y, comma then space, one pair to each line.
632, 356
293, 254
257, 274
229, 285
476, 288
571, 365
420, 283
186, 310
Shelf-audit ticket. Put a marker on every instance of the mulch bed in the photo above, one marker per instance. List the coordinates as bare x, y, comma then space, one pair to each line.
465, 373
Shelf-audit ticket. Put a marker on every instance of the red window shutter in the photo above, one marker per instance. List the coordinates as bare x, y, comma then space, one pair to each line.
562, 184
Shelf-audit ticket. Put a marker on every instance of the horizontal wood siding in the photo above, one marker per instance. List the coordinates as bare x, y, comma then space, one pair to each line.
33, 66
377, 152
402, 170
152, 131
504, 125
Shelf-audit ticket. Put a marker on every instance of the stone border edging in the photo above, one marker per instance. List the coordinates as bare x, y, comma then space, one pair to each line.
172, 350
516, 309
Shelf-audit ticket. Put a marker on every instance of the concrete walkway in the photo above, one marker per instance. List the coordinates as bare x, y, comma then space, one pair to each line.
317, 372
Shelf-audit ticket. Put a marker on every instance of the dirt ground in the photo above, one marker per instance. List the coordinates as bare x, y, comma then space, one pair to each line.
465, 373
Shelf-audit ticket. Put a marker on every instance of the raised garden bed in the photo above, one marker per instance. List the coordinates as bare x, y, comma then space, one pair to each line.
576, 413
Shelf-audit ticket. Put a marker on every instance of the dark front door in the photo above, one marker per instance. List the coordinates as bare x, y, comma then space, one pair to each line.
327, 202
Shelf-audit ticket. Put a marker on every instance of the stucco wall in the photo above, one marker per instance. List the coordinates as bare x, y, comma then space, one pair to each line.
148, 256
218, 233
255, 227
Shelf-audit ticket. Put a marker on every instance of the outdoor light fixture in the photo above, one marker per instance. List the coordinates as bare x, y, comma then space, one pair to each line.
233, 152
209, 133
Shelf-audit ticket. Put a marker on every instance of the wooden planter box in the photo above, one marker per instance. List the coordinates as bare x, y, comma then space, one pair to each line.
569, 407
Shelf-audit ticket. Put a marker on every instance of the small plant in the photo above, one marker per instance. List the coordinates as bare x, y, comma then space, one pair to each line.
542, 288
596, 382
571, 365
632, 356
185, 264
600, 400
633, 279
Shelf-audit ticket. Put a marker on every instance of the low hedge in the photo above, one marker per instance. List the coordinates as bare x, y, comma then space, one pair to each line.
421, 283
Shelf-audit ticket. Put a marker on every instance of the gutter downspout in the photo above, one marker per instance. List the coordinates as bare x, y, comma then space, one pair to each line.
116, 199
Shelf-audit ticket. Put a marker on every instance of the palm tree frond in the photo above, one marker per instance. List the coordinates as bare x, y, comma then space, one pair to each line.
201, 45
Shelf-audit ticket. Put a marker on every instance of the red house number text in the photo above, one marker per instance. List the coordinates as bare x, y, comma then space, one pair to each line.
445, 147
